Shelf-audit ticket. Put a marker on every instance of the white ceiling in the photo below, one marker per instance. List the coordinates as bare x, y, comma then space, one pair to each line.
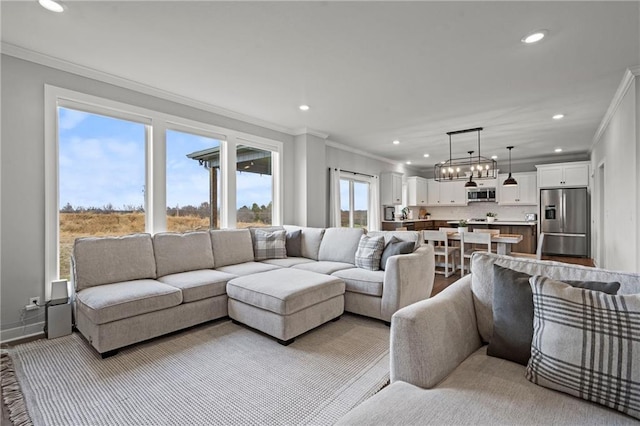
371, 71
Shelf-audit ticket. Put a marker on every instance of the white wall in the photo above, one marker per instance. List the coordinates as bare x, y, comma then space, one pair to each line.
22, 167
618, 147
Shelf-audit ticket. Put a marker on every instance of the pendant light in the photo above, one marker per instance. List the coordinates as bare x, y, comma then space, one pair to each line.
470, 183
510, 181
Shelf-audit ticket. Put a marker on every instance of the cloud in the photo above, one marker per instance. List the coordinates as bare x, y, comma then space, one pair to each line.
69, 118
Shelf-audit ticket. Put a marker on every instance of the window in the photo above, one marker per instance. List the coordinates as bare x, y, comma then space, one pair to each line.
254, 187
354, 203
193, 182
101, 178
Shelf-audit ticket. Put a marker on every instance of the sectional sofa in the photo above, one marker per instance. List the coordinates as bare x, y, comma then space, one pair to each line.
451, 364
136, 287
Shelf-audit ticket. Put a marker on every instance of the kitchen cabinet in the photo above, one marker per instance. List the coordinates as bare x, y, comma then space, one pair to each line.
524, 194
489, 183
416, 191
446, 193
563, 175
390, 188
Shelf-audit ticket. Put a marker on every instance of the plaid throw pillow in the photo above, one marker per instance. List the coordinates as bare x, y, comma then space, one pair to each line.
270, 245
369, 252
587, 344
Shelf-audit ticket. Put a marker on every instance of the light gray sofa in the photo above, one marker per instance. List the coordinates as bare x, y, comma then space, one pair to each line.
133, 288
440, 370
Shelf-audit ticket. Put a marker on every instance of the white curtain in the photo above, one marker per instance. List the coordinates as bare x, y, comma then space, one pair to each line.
374, 205
334, 197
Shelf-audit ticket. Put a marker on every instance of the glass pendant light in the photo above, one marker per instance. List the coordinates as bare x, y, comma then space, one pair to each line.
510, 181
471, 183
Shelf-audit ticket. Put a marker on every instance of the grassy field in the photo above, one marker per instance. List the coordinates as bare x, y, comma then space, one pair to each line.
76, 225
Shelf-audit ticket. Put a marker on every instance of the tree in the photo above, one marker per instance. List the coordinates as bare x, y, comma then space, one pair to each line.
68, 208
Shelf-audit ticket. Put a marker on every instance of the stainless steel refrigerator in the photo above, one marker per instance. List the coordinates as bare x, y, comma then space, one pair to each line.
565, 221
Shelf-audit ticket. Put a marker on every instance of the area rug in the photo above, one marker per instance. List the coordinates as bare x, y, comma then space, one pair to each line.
220, 373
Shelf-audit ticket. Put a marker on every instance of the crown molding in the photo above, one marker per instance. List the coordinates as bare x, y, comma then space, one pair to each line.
309, 131
360, 152
83, 71
629, 75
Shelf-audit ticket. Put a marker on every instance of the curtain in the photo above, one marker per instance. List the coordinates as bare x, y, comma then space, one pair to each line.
334, 197
374, 205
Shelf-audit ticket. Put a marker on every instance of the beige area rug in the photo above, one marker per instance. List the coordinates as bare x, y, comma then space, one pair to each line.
220, 373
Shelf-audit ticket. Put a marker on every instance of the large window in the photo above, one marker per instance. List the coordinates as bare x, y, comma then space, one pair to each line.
101, 178
354, 203
116, 169
193, 182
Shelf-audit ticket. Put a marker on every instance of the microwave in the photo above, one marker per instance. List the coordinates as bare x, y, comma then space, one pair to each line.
481, 194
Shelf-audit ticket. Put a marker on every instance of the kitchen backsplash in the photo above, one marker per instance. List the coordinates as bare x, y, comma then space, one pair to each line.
476, 210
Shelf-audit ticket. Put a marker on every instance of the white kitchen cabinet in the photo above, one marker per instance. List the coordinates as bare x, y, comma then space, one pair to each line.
453, 193
563, 175
524, 194
489, 183
416, 191
433, 192
390, 188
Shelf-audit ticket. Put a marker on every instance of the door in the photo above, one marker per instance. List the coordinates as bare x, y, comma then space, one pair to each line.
551, 210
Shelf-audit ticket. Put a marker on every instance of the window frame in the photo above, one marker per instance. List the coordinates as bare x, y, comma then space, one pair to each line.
351, 178
156, 124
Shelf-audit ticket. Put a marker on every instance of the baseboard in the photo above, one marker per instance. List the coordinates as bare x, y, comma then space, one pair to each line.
11, 335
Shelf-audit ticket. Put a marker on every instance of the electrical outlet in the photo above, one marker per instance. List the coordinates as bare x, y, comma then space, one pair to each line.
34, 300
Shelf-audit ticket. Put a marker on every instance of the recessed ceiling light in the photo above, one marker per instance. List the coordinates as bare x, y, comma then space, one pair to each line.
558, 117
494, 157
52, 5
396, 142
426, 155
304, 107
558, 150
534, 37
408, 162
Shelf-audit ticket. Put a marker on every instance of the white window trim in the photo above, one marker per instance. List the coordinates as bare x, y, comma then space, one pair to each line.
156, 124
358, 178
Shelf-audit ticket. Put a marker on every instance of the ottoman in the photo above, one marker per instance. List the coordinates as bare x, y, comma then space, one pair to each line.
284, 303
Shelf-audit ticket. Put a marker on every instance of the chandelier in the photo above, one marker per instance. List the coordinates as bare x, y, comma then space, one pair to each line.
467, 168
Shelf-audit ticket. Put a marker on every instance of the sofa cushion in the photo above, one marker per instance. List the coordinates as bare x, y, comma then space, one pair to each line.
200, 284
247, 268
106, 260
340, 245
321, 267
294, 243
369, 252
482, 280
284, 291
269, 244
358, 280
586, 343
111, 302
231, 246
395, 247
182, 252
513, 312
482, 390
288, 262
310, 240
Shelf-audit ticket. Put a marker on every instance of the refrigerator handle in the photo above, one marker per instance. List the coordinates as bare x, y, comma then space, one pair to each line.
564, 210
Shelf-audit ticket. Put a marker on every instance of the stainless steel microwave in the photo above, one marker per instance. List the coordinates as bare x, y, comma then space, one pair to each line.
481, 194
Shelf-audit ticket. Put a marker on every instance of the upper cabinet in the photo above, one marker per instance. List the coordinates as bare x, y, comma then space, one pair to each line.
390, 188
416, 191
563, 174
446, 193
524, 194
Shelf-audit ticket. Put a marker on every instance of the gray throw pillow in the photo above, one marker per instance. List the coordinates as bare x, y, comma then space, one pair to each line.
269, 245
394, 247
294, 243
369, 252
513, 312
586, 344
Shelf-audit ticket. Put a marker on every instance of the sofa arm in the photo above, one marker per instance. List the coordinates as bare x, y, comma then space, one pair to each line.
408, 278
429, 339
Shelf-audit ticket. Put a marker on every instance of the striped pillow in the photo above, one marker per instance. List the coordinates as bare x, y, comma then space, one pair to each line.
587, 344
369, 252
270, 244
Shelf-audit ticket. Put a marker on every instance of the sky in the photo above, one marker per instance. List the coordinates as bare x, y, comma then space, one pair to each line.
102, 161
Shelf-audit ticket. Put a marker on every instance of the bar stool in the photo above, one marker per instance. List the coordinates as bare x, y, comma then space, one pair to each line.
442, 250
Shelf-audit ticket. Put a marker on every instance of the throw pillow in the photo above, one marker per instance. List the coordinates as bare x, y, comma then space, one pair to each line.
369, 252
394, 247
294, 243
270, 245
586, 344
513, 312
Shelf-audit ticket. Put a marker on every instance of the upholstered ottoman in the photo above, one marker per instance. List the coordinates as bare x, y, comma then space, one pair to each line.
284, 303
